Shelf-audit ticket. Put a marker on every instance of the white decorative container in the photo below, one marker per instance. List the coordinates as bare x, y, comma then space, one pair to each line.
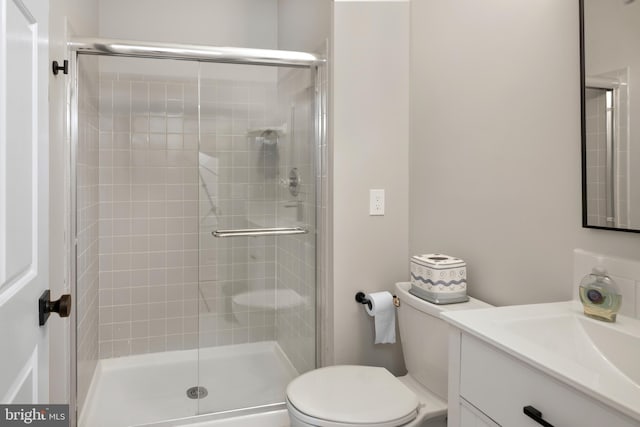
439, 278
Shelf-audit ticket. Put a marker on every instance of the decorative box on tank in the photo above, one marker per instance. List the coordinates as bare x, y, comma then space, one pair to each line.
439, 278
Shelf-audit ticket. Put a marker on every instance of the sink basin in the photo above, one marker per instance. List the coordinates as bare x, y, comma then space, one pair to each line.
598, 347
600, 359
619, 348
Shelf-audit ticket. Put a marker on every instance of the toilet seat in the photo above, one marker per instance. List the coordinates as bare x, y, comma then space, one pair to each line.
344, 396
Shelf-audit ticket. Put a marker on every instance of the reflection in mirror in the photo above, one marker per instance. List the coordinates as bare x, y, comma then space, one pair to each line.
611, 114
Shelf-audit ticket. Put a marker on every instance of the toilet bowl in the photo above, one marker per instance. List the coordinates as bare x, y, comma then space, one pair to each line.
351, 396
366, 396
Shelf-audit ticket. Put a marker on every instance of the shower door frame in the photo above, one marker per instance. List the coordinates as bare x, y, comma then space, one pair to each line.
317, 64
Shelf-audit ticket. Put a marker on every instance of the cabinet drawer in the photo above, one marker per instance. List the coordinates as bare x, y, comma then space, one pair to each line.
470, 416
501, 386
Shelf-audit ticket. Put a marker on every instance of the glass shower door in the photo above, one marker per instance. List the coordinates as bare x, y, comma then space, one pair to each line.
137, 233
256, 293
173, 321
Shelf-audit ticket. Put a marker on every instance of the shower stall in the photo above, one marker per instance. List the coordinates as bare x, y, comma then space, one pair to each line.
196, 200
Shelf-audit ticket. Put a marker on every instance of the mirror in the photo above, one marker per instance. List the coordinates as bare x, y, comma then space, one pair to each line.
610, 59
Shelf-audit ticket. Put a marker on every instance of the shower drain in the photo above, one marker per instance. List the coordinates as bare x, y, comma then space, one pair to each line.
197, 392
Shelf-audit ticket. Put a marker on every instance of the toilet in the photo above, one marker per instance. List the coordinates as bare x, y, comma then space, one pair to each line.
367, 396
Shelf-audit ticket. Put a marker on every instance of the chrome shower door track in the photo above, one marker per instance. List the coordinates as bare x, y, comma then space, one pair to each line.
188, 52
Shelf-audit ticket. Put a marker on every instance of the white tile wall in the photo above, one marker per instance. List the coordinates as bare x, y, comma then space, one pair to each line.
597, 152
239, 187
148, 214
625, 272
296, 255
596, 135
151, 255
87, 226
170, 174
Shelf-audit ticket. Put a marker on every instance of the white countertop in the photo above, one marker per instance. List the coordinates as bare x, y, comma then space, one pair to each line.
598, 358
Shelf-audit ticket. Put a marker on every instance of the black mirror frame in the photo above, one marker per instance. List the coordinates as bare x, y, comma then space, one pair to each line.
583, 131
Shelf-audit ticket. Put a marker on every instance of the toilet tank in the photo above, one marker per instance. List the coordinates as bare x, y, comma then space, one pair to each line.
425, 337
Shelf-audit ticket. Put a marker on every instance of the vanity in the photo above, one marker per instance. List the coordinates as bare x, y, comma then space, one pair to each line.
542, 365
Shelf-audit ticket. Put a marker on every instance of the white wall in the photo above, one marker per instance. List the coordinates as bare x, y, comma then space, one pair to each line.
245, 23
495, 145
370, 150
303, 25
65, 17
233, 23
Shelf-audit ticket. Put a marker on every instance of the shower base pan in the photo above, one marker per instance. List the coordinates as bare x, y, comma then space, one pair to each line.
152, 388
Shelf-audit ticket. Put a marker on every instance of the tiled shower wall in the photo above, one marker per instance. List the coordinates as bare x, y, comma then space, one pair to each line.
87, 226
169, 175
597, 154
151, 177
296, 255
148, 214
238, 171
621, 142
595, 103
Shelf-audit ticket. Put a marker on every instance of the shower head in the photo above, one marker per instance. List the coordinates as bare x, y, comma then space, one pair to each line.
269, 137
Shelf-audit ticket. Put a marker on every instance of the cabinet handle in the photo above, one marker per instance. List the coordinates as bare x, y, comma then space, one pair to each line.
536, 415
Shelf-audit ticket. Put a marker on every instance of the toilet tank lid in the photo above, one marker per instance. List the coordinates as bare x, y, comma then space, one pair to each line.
402, 291
352, 394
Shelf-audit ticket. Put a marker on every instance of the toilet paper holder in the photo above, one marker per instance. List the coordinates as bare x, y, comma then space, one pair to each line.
361, 298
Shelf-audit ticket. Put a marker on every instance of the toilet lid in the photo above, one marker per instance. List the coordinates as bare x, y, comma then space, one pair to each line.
352, 395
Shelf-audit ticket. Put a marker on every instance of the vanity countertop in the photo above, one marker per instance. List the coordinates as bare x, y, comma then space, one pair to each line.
598, 358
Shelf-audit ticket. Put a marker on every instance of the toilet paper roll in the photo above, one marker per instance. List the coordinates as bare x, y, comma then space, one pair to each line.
384, 313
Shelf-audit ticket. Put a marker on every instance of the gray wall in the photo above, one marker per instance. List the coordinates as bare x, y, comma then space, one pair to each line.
246, 23
303, 25
370, 150
495, 145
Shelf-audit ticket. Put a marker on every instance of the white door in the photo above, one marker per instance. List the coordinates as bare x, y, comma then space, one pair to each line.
24, 366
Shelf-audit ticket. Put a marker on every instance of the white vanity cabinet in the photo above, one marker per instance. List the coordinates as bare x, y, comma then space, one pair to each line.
488, 387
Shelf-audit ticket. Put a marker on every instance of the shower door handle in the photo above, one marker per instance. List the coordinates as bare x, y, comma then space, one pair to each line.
255, 232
